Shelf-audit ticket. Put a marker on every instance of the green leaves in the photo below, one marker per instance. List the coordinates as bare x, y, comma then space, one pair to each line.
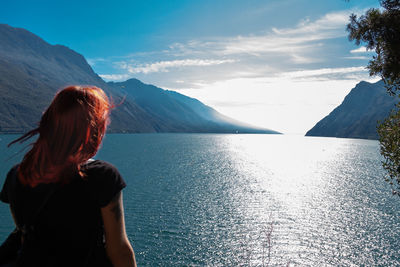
389, 138
379, 30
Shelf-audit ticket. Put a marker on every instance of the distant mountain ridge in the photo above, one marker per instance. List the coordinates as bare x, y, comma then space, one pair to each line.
31, 71
358, 114
174, 112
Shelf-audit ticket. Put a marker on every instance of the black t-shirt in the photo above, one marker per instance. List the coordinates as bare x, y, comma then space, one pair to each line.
69, 229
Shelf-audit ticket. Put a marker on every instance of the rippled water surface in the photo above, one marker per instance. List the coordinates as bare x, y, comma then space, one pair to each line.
249, 200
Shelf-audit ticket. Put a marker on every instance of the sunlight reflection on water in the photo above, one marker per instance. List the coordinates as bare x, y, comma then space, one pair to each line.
321, 197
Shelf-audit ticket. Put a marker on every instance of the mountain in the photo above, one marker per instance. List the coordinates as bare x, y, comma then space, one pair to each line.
32, 71
174, 112
357, 116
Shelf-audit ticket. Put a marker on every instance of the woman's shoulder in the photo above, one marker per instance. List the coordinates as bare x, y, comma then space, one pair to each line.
13, 171
98, 166
104, 180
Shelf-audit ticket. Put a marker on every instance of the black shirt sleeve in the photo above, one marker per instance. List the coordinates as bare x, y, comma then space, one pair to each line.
4, 192
105, 181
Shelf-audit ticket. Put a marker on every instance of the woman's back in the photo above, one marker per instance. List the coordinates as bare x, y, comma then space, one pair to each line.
68, 230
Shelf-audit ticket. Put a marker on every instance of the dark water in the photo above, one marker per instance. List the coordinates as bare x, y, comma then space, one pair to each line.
212, 200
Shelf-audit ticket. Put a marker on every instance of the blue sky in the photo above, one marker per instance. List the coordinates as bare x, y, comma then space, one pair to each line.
280, 64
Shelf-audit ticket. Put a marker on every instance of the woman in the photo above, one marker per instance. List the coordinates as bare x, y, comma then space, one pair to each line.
68, 208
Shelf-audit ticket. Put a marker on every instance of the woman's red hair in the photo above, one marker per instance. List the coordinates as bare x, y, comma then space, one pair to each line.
70, 133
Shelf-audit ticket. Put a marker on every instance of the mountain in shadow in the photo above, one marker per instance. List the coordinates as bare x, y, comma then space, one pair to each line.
32, 71
174, 112
359, 113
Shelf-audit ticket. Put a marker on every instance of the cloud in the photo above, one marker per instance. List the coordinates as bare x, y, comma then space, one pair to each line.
324, 27
358, 57
361, 49
306, 46
94, 61
164, 66
321, 72
115, 77
294, 41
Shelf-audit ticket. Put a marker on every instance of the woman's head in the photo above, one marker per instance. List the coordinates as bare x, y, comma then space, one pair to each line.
70, 132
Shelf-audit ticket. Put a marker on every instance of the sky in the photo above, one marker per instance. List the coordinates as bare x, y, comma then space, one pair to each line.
278, 64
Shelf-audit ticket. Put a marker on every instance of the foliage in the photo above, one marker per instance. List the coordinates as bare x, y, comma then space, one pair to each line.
389, 138
379, 29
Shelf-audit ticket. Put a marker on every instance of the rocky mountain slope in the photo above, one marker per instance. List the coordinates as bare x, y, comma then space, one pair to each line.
357, 116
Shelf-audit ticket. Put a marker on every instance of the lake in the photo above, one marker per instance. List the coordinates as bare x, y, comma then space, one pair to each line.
249, 200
